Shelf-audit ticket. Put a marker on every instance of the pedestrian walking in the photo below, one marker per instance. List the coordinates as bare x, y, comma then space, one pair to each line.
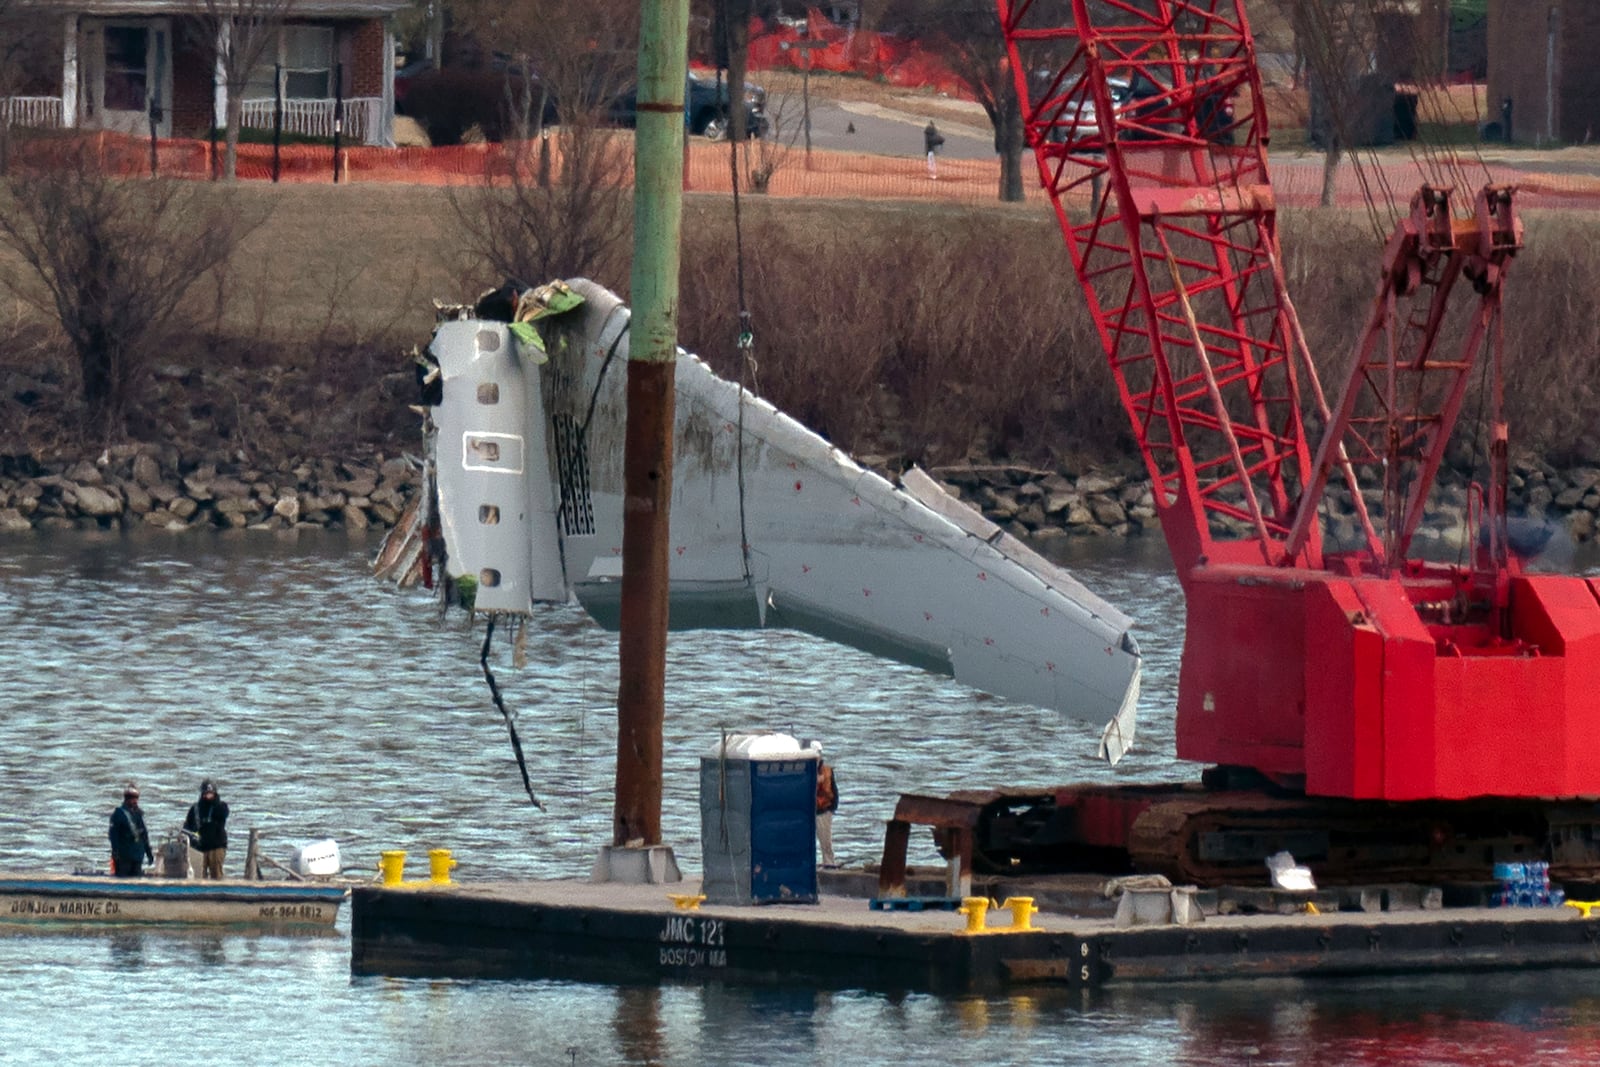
931, 140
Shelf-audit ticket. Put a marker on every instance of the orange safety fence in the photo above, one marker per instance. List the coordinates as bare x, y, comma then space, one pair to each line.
1296, 179
834, 49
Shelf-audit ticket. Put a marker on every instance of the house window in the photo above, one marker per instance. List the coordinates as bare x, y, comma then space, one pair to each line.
126, 69
307, 62
305, 55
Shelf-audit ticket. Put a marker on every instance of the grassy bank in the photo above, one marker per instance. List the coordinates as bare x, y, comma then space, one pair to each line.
916, 331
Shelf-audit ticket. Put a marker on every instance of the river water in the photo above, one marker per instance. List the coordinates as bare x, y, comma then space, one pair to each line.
328, 706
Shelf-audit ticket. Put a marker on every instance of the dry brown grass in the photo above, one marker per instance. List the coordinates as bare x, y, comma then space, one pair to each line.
905, 329
920, 330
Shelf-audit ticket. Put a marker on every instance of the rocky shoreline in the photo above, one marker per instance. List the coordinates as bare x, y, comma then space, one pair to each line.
1047, 507
146, 485
135, 485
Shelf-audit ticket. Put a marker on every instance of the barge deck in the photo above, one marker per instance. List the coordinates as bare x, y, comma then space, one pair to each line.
637, 933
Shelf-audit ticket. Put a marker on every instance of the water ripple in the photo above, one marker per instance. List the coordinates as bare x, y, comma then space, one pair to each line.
330, 706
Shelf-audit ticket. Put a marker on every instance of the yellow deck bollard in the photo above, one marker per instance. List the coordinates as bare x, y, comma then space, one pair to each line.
393, 866
976, 909
1022, 912
686, 901
1584, 906
439, 866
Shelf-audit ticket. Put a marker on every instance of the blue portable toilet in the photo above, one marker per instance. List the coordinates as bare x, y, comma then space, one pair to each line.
758, 821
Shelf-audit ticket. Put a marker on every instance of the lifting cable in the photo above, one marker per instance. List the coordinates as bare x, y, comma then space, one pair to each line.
1441, 166
1336, 32
1477, 441
746, 337
1333, 35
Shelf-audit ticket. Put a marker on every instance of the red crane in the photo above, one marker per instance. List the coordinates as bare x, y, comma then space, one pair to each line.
1354, 672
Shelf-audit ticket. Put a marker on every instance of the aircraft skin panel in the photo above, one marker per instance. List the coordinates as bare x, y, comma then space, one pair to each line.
496, 502
832, 548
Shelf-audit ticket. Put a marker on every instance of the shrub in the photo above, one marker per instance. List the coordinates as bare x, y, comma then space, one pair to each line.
449, 102
111, 260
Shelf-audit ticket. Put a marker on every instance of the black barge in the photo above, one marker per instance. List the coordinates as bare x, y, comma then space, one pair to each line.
627, 934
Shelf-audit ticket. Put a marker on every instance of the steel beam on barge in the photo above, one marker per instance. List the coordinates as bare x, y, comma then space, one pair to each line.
957, 818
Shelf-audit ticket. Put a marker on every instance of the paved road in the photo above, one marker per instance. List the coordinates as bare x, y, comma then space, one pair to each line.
893, 132
889, 131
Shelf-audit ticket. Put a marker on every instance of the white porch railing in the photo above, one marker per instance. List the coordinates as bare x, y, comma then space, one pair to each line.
37, 112
363, 117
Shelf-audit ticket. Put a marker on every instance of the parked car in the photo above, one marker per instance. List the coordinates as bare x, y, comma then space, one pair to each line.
706, 109
1136, 100
1072, 110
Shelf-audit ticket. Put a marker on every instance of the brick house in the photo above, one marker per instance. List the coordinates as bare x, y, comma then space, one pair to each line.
1542, 61
121, 64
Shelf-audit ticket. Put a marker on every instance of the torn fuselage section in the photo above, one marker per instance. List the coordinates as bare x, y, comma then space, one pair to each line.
771, 526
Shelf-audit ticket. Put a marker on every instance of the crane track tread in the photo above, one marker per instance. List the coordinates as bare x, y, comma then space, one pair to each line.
1167, 838
1211, 836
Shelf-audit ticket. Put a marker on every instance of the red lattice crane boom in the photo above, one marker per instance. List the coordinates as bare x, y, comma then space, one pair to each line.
1352, 671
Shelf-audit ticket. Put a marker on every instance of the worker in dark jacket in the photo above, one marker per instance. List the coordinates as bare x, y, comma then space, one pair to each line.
130, 843
207, 827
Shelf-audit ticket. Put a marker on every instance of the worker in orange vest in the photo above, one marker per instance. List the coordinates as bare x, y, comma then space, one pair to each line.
827, 804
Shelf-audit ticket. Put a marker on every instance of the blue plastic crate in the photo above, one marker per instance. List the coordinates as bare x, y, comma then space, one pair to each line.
915, 903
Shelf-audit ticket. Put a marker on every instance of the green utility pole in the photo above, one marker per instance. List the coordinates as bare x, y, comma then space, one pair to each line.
647, 454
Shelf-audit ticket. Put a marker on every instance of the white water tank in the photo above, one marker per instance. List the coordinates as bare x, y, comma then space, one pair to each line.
319, 859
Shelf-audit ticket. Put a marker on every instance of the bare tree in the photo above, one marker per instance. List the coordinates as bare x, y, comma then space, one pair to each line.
869, 13
571, 60
532, 225
786, 113
1352, 52
966, 35
239, 35
111, 260
564, 205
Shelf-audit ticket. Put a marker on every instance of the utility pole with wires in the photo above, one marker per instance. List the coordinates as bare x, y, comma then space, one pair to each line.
636, 853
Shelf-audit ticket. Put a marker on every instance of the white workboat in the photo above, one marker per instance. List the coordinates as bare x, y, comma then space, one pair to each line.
103, 900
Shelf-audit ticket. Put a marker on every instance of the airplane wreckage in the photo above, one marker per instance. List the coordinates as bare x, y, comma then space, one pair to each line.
771, 526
